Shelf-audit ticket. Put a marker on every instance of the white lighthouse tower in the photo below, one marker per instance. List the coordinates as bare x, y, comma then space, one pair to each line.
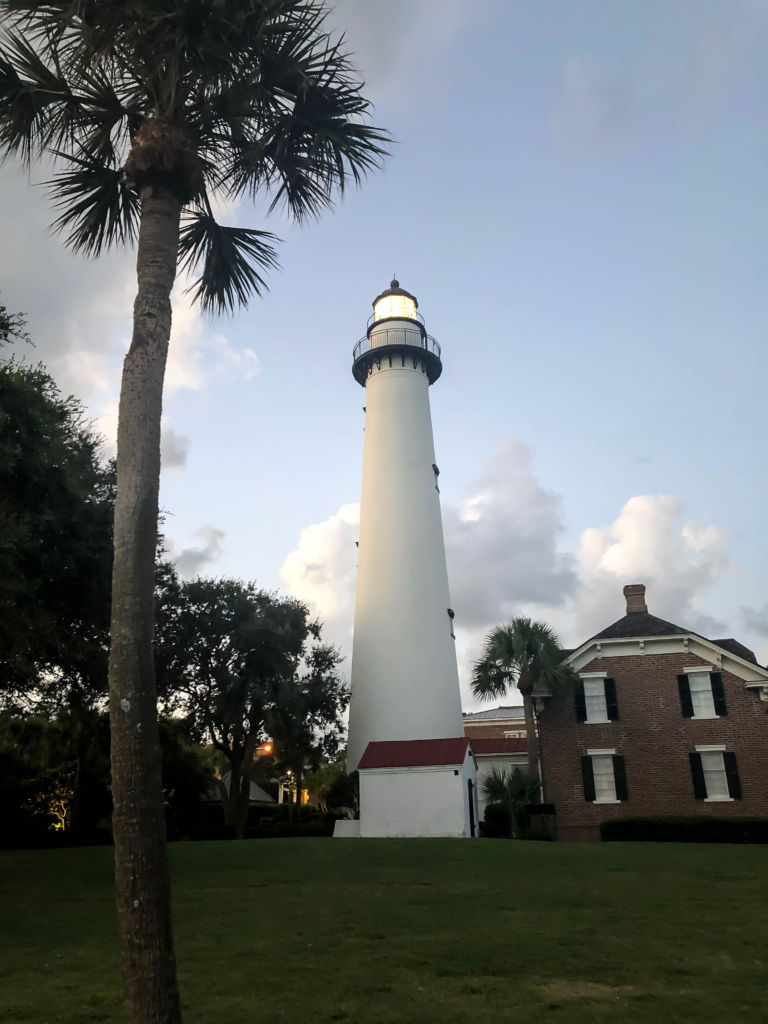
405, 684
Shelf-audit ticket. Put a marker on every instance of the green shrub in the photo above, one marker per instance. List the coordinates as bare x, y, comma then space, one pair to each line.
674, 829
497, 823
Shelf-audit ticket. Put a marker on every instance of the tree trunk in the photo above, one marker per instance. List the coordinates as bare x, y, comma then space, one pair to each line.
142, 878
243, 805
531, 737
298, 794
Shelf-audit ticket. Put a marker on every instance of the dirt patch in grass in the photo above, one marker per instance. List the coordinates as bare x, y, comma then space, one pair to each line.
564, 988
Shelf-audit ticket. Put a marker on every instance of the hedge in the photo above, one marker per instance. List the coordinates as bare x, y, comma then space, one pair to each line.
675, 829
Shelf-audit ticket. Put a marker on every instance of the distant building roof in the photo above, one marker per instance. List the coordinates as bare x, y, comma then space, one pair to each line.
256, 796
498, 745
507, 711
414, 753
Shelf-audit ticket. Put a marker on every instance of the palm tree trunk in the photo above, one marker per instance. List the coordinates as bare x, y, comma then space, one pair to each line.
531, 738
142, 878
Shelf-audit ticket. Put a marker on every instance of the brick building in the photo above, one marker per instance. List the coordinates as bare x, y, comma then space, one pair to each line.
664, 722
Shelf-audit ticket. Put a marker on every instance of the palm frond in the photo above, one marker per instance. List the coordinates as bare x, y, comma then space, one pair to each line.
521, 647
98, 209
231, 259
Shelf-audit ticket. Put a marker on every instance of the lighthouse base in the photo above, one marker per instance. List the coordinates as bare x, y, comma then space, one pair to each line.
418, 789
347, 828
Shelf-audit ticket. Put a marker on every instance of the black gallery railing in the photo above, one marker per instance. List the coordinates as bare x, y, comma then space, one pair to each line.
384, 336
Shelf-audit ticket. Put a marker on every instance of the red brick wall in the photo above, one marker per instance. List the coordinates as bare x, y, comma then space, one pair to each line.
655, 740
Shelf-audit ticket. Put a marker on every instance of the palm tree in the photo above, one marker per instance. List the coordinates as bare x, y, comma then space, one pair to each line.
528, 655
513, 791
153, 111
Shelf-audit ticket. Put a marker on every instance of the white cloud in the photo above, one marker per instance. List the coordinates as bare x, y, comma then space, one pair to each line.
174, 447
672, 73
192, 560
321, 571
503, 560
755, 619
649, 542
393, 43
501, 548
501, 543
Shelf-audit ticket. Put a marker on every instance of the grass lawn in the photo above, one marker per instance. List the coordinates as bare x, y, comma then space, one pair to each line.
391, 931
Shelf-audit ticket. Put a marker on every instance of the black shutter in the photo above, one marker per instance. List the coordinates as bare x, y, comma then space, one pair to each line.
581, 704
697, 772
620, 777
588, 778
732, 774
718, 694
611, 705
685, 696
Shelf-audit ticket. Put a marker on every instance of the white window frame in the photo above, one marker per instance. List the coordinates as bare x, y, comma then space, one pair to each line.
603, 753
591, 677
700, 670
715, 748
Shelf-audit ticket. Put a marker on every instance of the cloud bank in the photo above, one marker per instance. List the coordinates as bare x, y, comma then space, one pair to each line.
503, 546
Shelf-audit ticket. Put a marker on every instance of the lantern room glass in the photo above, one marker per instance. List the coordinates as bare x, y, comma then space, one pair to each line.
398, 306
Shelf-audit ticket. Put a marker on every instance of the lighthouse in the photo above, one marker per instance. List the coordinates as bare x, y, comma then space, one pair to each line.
405, 684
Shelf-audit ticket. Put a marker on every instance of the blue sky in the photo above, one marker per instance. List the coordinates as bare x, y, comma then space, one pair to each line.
578, 196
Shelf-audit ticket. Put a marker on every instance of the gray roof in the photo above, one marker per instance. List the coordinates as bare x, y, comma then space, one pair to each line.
492, 714
644, 624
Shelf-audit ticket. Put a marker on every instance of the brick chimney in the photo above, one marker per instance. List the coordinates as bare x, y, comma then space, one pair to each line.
635, 595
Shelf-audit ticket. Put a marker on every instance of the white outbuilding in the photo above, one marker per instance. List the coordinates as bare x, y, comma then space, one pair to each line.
418, 788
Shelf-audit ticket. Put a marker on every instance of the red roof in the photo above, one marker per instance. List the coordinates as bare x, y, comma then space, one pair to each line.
499, 745
414, 753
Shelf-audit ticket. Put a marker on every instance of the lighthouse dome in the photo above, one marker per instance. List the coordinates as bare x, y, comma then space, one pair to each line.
395, 303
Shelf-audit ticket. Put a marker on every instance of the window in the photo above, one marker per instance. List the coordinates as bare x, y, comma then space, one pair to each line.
701, 693
596, 699
715, 775
515, 734
604, 777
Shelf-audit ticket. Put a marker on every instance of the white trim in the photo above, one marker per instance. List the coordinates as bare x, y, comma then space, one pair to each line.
718, 799
593, 675
677, 643
698, 668
606, 801
601, 753
711, 748
413, 768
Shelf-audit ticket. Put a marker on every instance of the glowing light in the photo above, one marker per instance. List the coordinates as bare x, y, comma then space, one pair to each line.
396, 306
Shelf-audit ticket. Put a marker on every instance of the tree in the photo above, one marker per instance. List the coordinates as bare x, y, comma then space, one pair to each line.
230, 660
56, 509
528, 655
54, 776
12, 325
304, 715
157, 109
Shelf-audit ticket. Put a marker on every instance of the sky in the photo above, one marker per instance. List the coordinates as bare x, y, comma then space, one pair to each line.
578, 196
